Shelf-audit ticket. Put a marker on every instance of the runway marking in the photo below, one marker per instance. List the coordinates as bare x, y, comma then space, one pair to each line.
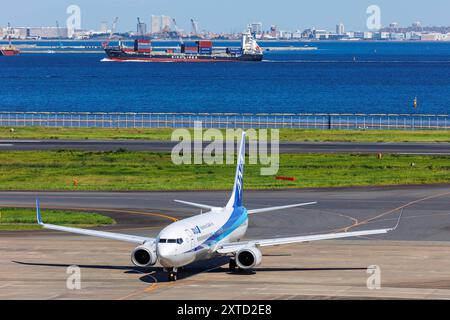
411, 203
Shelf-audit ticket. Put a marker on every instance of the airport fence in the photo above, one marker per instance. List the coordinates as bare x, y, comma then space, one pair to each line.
224, 121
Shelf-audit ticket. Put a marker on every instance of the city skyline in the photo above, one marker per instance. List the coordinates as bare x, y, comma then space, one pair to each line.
233, 16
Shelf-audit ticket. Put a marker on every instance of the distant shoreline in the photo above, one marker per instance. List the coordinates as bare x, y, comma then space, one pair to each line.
233, 41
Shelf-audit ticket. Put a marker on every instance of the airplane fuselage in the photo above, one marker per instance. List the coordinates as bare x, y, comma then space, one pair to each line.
196, 238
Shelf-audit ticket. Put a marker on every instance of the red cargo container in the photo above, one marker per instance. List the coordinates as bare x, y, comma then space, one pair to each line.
204, 43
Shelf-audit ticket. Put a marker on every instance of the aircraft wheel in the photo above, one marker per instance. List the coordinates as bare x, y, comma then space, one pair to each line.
232, 265
172, 276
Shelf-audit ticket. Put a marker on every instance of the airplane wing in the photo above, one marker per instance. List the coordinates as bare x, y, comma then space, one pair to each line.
280, 208
93, 233
236, 246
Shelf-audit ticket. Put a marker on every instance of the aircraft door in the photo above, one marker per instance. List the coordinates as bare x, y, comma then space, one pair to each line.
190, 238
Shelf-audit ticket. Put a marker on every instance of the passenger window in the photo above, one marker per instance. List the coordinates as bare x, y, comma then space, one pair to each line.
162, 240
172, 241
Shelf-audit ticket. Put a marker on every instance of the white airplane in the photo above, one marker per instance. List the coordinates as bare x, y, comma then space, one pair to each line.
217, 232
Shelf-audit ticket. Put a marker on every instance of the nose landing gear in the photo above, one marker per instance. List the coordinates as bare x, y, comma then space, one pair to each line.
172, 275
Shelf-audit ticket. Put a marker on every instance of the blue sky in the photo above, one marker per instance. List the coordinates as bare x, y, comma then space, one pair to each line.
228, 15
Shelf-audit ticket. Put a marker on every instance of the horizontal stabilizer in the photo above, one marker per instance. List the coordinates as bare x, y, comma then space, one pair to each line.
197, 205
280, 208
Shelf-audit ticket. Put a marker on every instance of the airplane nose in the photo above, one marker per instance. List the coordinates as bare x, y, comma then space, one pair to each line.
165, 255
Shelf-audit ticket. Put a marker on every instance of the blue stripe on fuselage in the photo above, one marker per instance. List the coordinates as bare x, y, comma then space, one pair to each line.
237, 218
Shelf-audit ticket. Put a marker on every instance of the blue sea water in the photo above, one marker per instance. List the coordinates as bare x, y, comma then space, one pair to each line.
339, 77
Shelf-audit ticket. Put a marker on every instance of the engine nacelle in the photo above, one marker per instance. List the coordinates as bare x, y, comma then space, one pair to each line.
144, 256
248, 258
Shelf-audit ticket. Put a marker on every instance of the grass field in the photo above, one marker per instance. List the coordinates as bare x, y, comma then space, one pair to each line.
25, 219
285, 134
122, 170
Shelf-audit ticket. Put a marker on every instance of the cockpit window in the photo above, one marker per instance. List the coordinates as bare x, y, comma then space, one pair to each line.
179, 241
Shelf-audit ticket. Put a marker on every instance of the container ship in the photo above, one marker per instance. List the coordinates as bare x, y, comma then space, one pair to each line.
200, 51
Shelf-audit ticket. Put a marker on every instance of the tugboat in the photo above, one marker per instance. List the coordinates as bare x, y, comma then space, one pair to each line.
9, 50
200, 51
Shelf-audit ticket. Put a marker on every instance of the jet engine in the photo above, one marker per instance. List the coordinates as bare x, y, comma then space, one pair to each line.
144, 255
248, 258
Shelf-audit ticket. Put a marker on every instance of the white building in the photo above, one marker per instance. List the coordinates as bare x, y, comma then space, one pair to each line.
166, 23
156, 24
384, 35
431, 37
368, 35
397, 36
340, 29
320, 34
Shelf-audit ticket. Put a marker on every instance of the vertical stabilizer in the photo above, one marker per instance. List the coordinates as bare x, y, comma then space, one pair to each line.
236, 196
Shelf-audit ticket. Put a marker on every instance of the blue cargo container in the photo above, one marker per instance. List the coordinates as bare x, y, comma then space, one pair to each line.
234, 50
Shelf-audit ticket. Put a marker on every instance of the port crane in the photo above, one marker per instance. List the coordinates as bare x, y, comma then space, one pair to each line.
178, 31
111, 33
58, 34
140, 28
194, 26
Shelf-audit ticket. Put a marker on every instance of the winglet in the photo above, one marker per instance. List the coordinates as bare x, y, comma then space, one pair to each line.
38, 212
398, 221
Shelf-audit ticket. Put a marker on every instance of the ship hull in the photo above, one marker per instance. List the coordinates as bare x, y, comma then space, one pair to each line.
120, 55
9, 52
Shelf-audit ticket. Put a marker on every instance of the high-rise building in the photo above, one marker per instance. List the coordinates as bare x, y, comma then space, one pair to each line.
256, 28
340, 29
156, 24
273, 31
104, 27
166, 23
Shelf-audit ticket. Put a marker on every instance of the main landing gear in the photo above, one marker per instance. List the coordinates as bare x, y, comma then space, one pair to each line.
232, 264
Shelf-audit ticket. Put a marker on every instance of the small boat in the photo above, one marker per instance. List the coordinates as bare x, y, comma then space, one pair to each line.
9, 51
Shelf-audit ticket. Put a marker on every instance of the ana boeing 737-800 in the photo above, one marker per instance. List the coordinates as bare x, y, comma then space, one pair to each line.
218, 232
